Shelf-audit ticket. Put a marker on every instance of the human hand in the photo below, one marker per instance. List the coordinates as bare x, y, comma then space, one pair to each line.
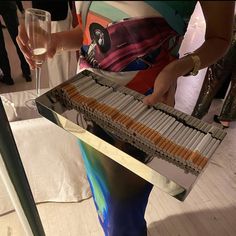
164, 89
22, 41
24, 45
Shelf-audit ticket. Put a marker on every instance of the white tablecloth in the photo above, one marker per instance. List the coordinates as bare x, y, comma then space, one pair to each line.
51, 158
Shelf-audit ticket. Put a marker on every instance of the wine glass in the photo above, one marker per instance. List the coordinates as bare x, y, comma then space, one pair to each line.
38, 29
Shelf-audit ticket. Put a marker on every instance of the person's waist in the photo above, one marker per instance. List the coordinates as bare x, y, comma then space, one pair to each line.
140, 63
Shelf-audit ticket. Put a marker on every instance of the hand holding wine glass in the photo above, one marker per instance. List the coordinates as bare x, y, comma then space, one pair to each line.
38, 29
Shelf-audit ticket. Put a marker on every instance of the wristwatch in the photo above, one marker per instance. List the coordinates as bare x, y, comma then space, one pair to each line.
196, 64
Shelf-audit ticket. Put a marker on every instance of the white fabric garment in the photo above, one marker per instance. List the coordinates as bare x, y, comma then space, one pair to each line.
51, 156
52, 161
59, 66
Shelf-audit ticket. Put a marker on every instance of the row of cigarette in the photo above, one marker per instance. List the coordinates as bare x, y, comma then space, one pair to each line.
160, 130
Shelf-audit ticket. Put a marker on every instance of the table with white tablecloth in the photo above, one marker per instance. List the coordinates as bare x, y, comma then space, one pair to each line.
51, 157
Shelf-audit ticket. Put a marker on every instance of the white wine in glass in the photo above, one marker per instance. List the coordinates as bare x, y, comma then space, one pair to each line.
38, 29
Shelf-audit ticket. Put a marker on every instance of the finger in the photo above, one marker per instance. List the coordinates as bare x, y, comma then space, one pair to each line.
51, 52
26, 52
170, 98
151, 100
22, 35
155, 97
22, 41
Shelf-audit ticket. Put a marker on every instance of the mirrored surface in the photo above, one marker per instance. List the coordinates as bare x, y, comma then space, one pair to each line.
157, 167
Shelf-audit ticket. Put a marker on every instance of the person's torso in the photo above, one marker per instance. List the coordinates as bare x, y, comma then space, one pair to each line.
127, 37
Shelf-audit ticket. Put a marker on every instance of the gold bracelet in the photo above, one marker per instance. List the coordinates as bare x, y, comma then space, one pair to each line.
196, 64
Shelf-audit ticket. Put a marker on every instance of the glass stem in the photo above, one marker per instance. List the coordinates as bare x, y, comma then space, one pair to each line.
38, 76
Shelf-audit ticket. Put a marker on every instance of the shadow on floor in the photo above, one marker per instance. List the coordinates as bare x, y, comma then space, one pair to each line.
206, 222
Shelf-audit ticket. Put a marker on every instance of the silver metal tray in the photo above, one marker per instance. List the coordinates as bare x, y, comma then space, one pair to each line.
167, 176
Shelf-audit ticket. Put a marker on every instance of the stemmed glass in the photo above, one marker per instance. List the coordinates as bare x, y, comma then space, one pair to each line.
38, 29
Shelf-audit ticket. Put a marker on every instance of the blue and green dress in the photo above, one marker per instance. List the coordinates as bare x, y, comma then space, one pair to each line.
128, 42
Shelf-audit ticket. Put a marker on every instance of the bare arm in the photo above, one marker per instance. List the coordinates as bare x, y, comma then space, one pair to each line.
219, 24
219, 17
68, 40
